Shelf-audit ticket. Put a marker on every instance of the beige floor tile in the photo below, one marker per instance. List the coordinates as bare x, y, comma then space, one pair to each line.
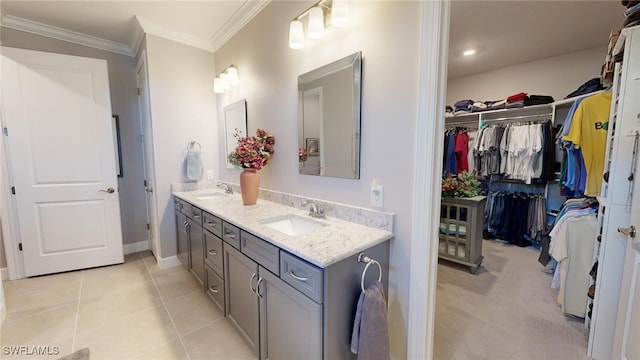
112, 279
193, 311
95, 311
128, 337
26, 297
216, 341
176, 282
171, 351
42, 329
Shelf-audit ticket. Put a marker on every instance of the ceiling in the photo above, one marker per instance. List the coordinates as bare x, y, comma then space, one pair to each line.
503, 32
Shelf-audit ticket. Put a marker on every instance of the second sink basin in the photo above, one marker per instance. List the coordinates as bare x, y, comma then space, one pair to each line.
293, 224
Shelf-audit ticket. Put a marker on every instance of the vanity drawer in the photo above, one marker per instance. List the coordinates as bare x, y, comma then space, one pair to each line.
213, 252
212, 223
215, 288
301, 275
231, 234
196, 215
260, 251
186, 209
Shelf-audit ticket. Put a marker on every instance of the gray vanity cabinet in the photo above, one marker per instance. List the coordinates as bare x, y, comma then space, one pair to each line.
241, 276
196, 250
182, 237
290, 322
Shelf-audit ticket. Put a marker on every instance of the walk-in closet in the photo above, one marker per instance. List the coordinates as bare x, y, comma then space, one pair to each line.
546, 131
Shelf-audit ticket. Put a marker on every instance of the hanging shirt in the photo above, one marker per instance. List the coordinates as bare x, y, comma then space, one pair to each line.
462, 151
589, 132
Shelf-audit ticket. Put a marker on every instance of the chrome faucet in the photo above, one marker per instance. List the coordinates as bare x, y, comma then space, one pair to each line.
227, 187
315, 210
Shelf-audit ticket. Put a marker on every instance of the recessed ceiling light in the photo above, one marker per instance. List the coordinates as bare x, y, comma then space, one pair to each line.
469, 52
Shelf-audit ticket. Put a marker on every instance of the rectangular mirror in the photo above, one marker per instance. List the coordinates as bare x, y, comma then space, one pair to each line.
235, 120
329, 119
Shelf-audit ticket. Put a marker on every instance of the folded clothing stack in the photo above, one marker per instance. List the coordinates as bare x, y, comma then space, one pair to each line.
538, 100
516, 100
462, 106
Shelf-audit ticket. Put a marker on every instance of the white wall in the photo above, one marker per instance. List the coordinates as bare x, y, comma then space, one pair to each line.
182, 109
387, 33
124, 103
557, 76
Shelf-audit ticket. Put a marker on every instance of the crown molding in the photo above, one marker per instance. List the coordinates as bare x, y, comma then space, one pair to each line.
151, 28
16, 23
242, 16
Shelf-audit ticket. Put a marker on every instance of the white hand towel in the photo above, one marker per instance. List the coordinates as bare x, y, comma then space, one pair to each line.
194, 163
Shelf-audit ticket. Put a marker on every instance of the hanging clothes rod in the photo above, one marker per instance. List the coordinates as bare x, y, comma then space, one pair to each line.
520, 117
362, 258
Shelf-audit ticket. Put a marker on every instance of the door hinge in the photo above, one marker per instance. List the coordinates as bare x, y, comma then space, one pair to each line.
13, 190
138, 91
5, 131
148, 227
145, 184
141, 138
20, 246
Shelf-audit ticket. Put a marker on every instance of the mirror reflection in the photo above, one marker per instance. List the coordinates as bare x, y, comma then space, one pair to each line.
329, 119
235, 121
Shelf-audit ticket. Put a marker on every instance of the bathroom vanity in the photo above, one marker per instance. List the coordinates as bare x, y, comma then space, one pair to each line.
287, 282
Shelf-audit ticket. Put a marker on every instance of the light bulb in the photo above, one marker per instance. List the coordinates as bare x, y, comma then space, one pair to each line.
217, 86
296, 35
340, 13
232, 75
316, 23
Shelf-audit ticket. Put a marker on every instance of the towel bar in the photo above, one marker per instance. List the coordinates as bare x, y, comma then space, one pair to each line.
362, 258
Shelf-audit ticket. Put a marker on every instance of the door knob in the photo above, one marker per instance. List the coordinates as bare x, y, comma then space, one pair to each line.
630, 231
109, 190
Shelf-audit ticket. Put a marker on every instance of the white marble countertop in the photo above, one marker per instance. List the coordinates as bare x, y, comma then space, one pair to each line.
322, 247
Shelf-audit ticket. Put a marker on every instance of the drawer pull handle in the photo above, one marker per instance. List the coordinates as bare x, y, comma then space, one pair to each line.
177, 206
258, 287
213, 252
230, 235
299, 278
212, 224
213, 289
196, 216
251, 282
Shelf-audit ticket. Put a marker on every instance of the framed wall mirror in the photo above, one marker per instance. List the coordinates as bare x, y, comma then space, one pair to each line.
329, 119
235, 122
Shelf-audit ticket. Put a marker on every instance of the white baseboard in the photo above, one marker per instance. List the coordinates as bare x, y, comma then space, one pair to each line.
5, 273
168, 262
136, 247
3, 313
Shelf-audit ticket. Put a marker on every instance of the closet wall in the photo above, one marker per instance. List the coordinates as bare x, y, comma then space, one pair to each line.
556, 76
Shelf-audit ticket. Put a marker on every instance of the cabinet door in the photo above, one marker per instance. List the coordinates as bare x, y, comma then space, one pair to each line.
290, 322
241, 302
196, 249
182, 236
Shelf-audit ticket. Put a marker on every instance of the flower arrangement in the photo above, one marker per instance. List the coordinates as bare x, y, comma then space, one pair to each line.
303, 154
253, 152
465, 184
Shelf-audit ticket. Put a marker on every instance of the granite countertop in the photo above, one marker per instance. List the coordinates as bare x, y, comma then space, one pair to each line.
322, 247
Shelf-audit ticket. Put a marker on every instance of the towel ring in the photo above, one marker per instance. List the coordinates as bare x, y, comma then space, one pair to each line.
367, 260
192, 144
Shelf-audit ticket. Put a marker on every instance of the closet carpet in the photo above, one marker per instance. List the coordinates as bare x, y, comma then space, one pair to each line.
507, 310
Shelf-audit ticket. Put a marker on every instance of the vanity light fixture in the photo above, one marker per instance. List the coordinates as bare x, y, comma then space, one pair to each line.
335, 12
226, 79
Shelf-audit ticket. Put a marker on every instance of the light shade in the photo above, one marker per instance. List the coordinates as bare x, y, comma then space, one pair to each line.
224, 81
316, 23
232, 75
296, 35
340, 13
217, 86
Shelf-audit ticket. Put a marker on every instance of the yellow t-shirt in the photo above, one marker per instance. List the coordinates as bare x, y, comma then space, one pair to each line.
589, 132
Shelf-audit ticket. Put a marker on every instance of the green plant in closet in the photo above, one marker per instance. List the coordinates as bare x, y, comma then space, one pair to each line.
465, 184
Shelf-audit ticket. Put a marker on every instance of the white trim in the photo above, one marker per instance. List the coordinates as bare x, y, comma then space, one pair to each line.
158, 30
136, 247
168, 262
247, 11
16, 23
4, 273
137, 37
426, 179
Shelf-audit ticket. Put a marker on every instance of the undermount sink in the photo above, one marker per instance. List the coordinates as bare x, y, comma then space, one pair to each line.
293, 224
210, 195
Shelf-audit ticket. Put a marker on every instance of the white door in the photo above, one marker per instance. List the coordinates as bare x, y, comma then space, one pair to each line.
57, 112
626, 344
149, 182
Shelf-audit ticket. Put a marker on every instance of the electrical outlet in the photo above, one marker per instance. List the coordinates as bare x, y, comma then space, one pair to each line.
377, 195
209, 174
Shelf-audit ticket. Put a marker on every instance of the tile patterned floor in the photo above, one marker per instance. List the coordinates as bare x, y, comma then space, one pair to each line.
128, 311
